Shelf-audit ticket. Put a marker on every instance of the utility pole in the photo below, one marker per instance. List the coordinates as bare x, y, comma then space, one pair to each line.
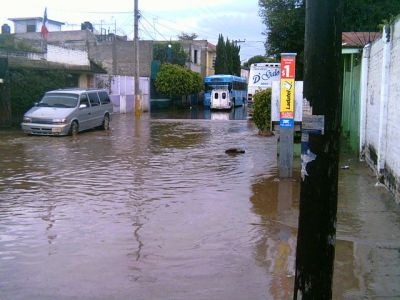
138, 108
320, 151
236, 42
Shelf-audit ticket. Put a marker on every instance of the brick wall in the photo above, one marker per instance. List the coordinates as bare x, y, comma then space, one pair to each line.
382, 128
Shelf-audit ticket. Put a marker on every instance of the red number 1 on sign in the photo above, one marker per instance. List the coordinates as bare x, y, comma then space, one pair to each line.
288, 67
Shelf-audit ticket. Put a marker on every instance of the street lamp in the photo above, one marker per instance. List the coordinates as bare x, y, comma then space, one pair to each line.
169, 53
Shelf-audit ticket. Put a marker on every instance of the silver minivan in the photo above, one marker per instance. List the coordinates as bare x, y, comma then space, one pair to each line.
69, 111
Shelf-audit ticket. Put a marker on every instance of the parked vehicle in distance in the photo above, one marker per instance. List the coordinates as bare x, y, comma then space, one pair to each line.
236, 86
220, 99
69, 111
261, 76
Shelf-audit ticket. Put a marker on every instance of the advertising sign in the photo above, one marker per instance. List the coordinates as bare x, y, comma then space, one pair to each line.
287, 96
262, 75
288, 64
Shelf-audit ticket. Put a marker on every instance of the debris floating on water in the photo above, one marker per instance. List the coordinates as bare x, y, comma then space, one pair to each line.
235, 151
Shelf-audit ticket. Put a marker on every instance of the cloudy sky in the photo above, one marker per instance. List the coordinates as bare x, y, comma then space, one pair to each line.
161, 19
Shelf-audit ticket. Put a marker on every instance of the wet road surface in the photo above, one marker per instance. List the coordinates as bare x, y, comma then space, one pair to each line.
155, 209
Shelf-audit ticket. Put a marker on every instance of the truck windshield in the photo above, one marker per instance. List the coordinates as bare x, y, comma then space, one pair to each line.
59, 100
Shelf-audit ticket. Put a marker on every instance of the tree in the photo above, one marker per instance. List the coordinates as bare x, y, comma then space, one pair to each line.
187, 36
228, 58
233, 58
229, 55
177, 81
367, 15
221, 58
170, 52
284, 20
257, 59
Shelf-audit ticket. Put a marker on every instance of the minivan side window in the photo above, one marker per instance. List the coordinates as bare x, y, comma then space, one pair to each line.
84, 100
94, 99
104, 99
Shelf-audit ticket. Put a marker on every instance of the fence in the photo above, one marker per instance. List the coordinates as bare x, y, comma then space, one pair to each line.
380, 113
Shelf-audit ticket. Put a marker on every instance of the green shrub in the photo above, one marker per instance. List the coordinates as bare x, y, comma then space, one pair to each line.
177, 81
27, 86
262, 110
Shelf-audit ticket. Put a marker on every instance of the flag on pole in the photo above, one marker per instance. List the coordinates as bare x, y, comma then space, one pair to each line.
44, 32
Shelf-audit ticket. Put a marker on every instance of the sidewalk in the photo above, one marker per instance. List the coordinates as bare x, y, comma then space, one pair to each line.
367, 263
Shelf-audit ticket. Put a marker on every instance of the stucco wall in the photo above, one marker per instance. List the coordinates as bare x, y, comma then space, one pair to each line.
382, 126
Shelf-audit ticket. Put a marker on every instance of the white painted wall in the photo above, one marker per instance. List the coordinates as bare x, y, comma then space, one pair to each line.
393, 128
20, 26
67, 56
382, 117
122, 92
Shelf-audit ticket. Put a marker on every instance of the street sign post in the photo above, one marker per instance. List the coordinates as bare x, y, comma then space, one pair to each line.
286, 124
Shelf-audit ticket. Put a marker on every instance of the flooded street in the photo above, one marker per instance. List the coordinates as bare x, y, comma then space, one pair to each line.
155, 209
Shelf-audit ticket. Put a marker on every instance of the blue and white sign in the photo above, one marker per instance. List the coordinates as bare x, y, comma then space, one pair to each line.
286, 123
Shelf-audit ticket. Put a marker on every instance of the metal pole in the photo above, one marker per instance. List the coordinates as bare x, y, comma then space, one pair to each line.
286, 124
316, 237
138, 108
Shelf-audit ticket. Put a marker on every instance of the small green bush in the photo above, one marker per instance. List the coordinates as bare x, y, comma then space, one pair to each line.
262, 110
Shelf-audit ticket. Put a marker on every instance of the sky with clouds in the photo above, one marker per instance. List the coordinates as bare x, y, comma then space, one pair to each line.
160, 19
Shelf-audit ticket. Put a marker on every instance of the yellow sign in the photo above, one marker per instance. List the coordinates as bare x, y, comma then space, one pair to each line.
287, 95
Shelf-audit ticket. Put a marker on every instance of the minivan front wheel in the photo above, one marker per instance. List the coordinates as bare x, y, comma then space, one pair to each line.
74, 129
106, 123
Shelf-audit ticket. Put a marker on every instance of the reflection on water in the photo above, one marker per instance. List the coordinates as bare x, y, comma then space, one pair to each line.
276, 202
199, 112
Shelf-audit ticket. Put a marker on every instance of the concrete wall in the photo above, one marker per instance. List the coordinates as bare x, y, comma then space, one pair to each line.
380, 141
67, 56
117, 57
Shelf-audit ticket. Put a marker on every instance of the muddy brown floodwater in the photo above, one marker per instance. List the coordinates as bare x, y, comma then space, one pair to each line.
155, 209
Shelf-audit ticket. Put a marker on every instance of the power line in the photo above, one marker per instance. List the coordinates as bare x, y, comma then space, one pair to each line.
176, 30
154, 28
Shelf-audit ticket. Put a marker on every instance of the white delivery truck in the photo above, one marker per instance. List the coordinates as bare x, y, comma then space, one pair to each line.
220, 99
261, 77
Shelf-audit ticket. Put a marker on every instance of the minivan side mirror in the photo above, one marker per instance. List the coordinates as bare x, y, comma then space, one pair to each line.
83, 105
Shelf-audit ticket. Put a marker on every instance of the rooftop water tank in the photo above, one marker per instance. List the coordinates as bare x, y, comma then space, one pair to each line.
5, 29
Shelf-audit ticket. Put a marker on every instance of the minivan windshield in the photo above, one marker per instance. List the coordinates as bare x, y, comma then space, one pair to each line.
59, 100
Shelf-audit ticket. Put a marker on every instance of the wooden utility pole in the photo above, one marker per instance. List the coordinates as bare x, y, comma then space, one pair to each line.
320, 151
138, 104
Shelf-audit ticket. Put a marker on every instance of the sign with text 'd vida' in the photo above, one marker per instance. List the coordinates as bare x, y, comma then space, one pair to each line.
288, 65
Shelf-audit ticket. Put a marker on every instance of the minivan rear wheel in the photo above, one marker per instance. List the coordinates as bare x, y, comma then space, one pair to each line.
74, 129
106, 123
